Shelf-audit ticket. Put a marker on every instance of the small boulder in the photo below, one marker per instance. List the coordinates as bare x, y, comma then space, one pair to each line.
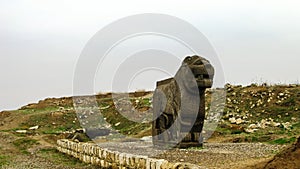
33, 128
239, 121
21, 131
232, 120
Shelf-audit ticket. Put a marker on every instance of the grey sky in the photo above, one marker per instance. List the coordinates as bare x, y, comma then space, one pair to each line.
40, 41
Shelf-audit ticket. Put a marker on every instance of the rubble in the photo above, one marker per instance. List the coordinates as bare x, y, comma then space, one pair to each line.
287, 125
33, 128
21, 131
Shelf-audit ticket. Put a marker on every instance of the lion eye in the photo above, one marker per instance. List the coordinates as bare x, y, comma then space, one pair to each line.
198, 62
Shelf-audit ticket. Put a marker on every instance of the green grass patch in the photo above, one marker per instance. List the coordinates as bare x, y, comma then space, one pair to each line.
223, 129
195, 148
57, 130
24, 143
4, 160
283, 140
297, 125
146, 102
49, 124
59, 158
126, 126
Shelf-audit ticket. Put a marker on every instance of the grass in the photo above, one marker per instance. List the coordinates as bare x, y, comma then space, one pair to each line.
57, 130
283, 140
126, 126
24, 143
61, 159
286, 111
49, 124
38, 110
4, 160
296, 125
195, 148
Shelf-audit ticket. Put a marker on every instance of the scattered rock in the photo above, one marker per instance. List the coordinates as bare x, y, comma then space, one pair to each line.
33, 128
250, 130
239, 121
21, 131
232, 120
252, 126
146, 139
287, 125
105, 107
274, 124
80, 130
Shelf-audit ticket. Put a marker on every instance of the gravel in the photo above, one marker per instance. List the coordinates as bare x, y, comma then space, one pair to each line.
212, 155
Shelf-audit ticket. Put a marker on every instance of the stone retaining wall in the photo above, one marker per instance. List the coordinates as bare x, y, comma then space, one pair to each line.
91, 153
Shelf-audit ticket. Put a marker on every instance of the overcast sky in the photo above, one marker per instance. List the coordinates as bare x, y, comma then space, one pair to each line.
40, 41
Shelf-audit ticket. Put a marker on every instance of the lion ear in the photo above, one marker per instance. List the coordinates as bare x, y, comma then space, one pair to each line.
187, 59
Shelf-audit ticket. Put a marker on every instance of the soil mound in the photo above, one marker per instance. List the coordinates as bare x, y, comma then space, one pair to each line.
287, 159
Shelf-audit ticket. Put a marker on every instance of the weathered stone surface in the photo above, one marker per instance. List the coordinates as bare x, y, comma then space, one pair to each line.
179, 104
92, 153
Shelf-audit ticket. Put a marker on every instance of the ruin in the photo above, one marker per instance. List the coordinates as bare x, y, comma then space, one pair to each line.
179, 104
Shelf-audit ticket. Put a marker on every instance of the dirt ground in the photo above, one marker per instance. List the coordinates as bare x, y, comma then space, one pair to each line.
32, 158
289, 158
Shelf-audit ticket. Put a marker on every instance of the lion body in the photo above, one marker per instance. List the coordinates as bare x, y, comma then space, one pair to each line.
179, 106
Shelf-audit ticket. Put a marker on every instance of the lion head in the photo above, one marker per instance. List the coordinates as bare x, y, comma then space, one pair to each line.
196, 72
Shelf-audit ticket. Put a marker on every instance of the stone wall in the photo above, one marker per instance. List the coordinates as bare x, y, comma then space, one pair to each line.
104, 158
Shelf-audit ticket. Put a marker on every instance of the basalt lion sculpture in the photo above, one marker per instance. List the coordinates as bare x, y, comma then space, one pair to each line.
179, 104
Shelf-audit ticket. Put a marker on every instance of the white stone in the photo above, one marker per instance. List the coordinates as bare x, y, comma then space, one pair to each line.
33, 128
105, 107
239, 121
263, 123
252, 126
286, 125
232, 120
146, 138
249, 130
21, 131
274, 124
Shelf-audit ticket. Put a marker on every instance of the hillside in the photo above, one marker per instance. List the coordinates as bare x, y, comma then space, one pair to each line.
255, 113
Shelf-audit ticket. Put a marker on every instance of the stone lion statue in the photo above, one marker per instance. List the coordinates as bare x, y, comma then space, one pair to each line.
179, 104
